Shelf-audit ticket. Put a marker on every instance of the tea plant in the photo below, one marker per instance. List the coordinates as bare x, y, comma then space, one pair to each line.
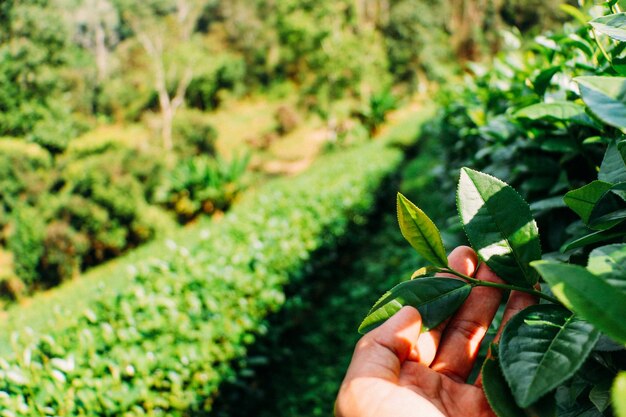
542, 348
552, 122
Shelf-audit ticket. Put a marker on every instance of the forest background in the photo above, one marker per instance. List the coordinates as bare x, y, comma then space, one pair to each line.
194, 195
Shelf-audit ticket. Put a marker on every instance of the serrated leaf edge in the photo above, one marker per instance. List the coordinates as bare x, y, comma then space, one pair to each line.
534, 222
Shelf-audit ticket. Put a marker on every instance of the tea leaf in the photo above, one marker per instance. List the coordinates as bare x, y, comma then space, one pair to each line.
605, 97
499, 225
497, 390
595, 237
559, 111
613, 25
541, 347
420, 231
619, 395
583, 199
500, 397
424, 271
542, 81
609, 262
613, 167
591, 296
435, 298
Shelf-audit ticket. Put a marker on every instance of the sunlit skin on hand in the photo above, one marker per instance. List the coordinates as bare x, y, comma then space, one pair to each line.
398, 372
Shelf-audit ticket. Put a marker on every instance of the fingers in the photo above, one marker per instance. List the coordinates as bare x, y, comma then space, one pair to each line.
517, 302
381, 352
461, 340
464, 260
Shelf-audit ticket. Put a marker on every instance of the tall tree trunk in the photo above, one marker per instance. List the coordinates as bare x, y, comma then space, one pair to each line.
101, 52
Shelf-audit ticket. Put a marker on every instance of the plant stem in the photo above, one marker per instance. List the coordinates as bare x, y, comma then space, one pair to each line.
479, 283
599, 43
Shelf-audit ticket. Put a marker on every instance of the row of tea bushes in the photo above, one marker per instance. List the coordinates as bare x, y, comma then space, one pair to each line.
164, 344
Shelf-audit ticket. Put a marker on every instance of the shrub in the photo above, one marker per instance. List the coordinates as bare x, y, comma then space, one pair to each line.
203, 185
374, 113
24, 172
164, 343
524, 121
193, 134
25, 240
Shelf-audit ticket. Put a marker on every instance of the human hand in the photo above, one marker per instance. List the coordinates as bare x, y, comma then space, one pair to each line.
398, 372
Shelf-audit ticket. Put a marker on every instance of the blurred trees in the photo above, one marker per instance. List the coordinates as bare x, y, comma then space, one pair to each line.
71, 198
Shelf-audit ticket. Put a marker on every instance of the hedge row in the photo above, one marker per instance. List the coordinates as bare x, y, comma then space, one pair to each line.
163, 345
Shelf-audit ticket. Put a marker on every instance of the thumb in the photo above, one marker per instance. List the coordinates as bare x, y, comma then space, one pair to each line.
381, 352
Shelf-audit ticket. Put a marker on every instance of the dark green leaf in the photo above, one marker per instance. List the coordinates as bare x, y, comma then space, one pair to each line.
547, 204
542, 81
605, 97
589, 295
600, 396
613, 25
435, 298
618, 394
609, 210
498, 392
421, 232
541, 347
595, 237
499, 225
613, 168
582, 200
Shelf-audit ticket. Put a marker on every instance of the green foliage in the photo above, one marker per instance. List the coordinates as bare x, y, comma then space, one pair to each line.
203, 185
193, 134
435, 299
505, 239
165, 342
421, 232
374, 114
25, 240
520, 120
541, 347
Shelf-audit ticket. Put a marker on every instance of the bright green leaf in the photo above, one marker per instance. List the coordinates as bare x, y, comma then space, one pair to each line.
613, 25
574, 12
605, 97
609, 262
618, 394
589, 295
560, 111
424, 271
499, 225
582, 200
420, 231
541, 347
435, 298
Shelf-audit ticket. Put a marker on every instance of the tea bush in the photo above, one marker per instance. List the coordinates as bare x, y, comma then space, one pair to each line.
549, 119
163, 345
